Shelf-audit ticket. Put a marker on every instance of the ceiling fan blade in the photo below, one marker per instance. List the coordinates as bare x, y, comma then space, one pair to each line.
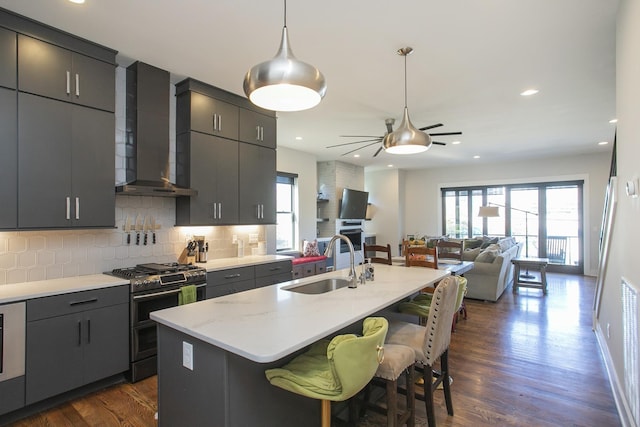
360, 136
360, 148
445, 133
437, 125
378, 152
355, 142
438, 143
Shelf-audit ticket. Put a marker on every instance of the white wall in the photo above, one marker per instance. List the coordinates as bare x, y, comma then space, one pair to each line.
423, 212
303, 164
387, 221
623, 251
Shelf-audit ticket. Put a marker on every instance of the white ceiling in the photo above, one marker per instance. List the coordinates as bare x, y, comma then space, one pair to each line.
471, 60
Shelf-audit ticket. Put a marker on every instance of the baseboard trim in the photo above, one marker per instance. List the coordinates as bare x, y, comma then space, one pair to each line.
624, 412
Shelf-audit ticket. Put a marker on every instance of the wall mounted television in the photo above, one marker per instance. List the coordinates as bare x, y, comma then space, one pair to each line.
353, 204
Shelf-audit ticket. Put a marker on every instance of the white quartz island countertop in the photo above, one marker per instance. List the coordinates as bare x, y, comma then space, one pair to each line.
269, 323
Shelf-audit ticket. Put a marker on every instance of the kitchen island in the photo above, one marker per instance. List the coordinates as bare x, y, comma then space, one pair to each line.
212, 354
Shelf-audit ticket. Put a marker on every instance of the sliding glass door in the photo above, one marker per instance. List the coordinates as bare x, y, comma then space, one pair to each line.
545, 217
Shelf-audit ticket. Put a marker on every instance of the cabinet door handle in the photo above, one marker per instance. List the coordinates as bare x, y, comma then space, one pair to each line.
215, 211
85, 301
232, 276
79, 333
261, 133
257, 133
215, 121
77, 207
68, 208
68, 82
78, 85
88, 331
220, 122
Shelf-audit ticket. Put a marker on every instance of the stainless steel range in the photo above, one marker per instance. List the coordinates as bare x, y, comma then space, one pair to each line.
154, 287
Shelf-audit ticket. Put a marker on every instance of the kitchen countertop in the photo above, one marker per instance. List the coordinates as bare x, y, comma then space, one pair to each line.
266, 324
27, 290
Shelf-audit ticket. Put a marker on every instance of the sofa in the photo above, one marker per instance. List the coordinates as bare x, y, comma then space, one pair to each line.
493, 271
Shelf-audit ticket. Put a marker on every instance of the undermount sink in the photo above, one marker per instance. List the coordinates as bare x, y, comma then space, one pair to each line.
320, 287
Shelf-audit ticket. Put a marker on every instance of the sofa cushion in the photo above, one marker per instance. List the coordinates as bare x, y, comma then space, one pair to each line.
506, 243
488, 255
471, 254
472, 243
486, 241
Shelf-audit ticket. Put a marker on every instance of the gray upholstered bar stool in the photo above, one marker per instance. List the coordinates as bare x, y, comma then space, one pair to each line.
398, 359
431, 342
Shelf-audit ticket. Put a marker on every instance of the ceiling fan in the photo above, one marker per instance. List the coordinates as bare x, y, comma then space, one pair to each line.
378, 139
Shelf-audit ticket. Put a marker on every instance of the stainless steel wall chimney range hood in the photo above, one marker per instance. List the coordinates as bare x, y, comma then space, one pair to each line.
147, 134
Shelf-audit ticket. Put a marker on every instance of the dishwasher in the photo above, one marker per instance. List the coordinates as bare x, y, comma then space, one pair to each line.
12, 340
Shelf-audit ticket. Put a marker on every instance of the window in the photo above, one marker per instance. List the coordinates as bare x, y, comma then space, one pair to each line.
286, 211
545, 217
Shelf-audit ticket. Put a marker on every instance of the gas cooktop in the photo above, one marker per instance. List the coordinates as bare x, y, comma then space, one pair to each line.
152, 276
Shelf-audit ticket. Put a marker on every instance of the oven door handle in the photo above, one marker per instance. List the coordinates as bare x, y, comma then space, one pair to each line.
158, 294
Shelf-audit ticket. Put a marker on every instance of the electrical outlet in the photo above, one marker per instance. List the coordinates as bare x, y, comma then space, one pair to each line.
608, 330
253, 238
234, 239
187, 355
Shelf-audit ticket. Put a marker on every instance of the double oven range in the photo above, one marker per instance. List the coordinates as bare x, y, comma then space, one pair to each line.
154, 287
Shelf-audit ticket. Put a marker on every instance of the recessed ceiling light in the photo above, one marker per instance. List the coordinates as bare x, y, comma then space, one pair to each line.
455, 143
77, 1
603, 142
356, 155
613, 121
476, 157
529, 92
389, 166
298, 138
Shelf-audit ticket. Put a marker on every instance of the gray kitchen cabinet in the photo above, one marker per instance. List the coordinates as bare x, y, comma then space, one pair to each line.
257, 128
202, 113
272, 273
64, 176
7, 58
12, 392
75, 339
52, 71
8, 159
252, 184
257, 177
210, 165
229, 281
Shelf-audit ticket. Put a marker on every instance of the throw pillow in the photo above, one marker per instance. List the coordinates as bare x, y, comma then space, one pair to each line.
506, 243
471, 254
472, 243
487, 255
310, 248
488, 241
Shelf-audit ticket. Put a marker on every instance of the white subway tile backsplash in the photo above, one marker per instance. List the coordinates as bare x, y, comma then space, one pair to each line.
8, 261
17, 244
45, 258
27, 259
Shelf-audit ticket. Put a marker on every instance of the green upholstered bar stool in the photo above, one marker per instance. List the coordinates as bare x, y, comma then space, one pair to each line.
335, 370
421, 303
431, 342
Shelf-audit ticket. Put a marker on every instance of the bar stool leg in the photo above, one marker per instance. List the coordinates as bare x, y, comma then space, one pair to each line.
325, 413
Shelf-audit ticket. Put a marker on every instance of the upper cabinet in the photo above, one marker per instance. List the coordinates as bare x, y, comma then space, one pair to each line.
8, 159
57, 128
204, 114
7, 58
256, 128
51, 71
225, 149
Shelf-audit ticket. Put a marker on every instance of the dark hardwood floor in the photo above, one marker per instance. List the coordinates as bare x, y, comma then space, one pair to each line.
527, 360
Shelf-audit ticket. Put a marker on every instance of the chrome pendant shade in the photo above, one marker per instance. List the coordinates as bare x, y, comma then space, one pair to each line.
406, 139
285, 83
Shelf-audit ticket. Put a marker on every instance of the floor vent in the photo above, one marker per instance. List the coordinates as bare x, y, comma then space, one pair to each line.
630, 322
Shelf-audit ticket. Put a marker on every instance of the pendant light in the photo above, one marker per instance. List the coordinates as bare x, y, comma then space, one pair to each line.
406, 139
285, 83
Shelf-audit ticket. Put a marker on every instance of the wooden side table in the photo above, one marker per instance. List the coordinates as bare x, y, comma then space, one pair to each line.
539, 264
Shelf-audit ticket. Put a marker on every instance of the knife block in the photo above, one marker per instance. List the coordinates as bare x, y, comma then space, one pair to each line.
187, 257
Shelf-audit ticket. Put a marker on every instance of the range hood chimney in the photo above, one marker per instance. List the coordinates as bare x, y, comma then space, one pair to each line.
147, 134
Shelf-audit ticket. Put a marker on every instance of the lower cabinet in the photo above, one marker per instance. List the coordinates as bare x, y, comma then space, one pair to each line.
75, 339
233, 280
307, 269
